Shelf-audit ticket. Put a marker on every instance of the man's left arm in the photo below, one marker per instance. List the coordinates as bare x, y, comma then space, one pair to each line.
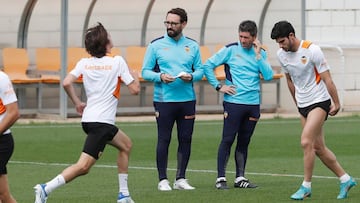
198, 73
265, 67
323, 69
331, 87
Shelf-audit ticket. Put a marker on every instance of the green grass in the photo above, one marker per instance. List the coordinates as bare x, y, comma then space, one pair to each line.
274, 163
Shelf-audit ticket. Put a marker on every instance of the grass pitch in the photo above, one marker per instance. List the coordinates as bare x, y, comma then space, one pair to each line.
274, 163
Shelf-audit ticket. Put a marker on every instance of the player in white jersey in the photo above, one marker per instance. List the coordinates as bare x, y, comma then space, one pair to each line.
9, 113
313, 90
101, 75
305, 66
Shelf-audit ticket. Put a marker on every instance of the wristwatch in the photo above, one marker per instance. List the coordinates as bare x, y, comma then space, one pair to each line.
218, 87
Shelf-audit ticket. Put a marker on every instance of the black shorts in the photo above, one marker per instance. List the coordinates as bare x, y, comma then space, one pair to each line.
98, 135
6, 150
325, 105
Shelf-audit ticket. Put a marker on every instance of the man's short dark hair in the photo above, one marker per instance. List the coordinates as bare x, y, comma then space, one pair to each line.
282, 29
248, 26
180, 12
96, 40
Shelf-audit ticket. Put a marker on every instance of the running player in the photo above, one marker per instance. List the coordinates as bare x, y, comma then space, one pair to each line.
101, 74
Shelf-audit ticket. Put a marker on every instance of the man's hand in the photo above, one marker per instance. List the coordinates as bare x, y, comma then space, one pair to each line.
228, 89
166, 78
186, 77
257, 46
80, 108
334, 109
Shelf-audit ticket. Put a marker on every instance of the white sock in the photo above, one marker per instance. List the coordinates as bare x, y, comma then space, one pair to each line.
123, 184
344, 178
306, 184
220, 179
240, 178
54, 183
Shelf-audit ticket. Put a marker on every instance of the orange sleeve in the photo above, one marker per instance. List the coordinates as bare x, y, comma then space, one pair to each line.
2, 107
306, 44
116, 92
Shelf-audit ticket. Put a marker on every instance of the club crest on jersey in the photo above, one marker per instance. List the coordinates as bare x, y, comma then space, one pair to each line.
187, 49
303, 60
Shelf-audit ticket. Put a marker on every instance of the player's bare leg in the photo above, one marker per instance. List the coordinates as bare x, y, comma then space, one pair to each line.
5, 196
82, 167
123, 143
312, 129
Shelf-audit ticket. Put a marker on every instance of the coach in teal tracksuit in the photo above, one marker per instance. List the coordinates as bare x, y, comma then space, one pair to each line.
173, 63
244, 61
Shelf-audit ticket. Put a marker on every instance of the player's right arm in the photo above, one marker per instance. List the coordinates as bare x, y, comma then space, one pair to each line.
70, 91
129, 77
134, 86
291, 86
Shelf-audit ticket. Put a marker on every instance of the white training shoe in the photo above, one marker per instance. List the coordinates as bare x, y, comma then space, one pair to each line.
182, 184
164, 185
124, 199
40, 194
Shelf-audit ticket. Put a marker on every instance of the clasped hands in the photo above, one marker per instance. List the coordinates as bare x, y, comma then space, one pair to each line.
167, 78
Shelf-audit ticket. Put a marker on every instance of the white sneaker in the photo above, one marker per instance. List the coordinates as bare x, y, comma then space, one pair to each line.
164, 185
40, 194
124, 199
182, 184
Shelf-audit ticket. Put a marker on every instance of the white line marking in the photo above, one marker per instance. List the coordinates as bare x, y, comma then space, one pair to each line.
171, 169
197, 123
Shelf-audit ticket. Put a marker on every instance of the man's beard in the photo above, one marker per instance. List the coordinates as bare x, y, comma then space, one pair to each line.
172, 33
290, 46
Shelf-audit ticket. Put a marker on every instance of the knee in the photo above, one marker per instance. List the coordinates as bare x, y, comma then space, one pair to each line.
185, 139
225, 145
243, 143
228, 140
306, 144
164, 139
127, 147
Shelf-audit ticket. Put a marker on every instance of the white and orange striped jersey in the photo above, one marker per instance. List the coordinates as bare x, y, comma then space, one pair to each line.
7, 95
101, 79
304, 67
